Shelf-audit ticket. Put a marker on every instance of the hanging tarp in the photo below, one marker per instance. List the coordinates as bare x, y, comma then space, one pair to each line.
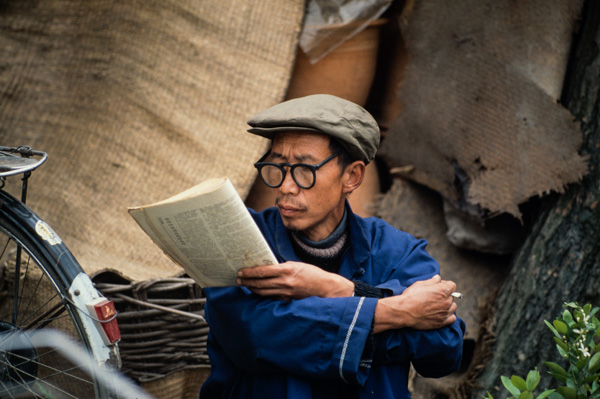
480, 121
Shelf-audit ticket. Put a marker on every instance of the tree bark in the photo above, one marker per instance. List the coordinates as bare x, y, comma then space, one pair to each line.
560, 260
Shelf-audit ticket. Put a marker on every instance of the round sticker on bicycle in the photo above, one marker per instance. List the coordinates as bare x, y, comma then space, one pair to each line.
46, 233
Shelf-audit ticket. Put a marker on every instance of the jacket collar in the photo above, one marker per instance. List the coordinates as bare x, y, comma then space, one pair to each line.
358, 251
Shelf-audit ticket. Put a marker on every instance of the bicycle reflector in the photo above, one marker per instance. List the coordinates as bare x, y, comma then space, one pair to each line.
105, 318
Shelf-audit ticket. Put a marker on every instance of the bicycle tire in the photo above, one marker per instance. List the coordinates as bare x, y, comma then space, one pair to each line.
52, 293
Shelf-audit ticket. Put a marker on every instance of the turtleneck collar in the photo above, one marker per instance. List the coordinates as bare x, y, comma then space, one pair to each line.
329, 241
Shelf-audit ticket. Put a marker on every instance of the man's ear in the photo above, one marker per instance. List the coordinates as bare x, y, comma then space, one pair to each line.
353, 176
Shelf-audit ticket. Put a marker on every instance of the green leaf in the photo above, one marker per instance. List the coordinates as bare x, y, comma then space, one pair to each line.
590, 378
533, 378
555, 395
567, 317
556, 368
582, 362
562, 352
561, 343
526, 395
544, 394
595, 386
558, 377
567, 392
560, 326
489, 396
587, 308
518, 382
594, 362
551, 327
510, 387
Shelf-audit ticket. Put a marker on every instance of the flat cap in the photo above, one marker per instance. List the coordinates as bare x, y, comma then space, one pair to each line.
348, 122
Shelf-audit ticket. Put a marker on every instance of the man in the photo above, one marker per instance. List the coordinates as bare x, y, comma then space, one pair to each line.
353, 302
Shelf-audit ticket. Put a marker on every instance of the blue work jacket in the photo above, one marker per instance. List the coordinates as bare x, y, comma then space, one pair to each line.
261, 347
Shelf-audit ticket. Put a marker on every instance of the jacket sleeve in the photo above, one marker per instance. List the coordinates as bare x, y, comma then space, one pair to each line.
319, 338
433, 353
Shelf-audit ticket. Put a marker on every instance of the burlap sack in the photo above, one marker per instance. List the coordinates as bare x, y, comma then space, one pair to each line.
480, 123
136, 101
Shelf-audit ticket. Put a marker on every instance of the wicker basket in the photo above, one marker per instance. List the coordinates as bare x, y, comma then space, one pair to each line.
162, 326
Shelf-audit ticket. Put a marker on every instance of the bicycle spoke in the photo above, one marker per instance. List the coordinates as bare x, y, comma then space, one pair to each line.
47, 317
16, 287
40, 383
44, 380
5, 247
23, 289
65, 372
4, 389
6, 343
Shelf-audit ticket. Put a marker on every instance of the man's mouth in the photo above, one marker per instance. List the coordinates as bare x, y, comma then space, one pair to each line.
287, 209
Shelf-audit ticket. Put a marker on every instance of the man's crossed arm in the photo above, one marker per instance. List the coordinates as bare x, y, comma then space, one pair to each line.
425, 305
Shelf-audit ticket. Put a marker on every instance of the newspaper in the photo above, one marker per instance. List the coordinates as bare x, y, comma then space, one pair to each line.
208, 231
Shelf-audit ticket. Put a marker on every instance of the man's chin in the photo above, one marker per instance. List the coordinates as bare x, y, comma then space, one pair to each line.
291, 225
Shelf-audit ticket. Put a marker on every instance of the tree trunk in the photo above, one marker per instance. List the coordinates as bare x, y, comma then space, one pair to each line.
560, 260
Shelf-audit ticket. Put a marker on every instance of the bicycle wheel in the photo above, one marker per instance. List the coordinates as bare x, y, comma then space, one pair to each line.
47, 289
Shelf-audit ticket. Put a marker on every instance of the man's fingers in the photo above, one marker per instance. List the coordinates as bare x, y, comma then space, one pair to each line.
453, 307
448, 286
433, 280
451, 319
260, 271
258, 282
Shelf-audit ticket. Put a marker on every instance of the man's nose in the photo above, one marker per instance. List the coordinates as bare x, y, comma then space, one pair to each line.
289, 186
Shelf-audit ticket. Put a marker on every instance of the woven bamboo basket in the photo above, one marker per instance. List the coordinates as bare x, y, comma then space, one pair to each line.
162, 325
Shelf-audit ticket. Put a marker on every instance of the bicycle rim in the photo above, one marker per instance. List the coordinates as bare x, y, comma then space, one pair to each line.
30, 370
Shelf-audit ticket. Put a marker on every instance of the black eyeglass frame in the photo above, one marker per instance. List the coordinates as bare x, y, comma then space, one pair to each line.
313, 168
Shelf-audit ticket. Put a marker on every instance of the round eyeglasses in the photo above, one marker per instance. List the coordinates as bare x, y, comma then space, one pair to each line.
273, 174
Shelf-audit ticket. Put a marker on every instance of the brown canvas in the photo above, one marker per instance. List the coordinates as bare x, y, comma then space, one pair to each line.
134, 102
480, 122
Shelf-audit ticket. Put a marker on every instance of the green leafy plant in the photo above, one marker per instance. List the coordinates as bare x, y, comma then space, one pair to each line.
577, 335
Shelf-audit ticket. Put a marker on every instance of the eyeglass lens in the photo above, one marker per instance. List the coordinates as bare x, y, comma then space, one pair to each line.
273, 175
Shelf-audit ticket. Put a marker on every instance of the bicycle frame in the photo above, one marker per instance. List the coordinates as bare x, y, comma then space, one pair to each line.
77, 283
87, 306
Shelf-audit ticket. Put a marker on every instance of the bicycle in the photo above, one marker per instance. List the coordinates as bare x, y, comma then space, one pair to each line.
42, 286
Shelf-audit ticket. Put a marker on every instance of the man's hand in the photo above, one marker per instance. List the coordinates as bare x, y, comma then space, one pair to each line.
294, 280
425, 305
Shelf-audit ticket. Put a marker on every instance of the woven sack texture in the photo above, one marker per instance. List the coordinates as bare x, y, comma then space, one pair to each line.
480, 122
136, 101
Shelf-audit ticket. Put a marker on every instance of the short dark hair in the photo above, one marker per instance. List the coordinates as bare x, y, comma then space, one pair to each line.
344, 159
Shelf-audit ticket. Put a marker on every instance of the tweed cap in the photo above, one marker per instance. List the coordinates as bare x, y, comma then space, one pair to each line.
348, 122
